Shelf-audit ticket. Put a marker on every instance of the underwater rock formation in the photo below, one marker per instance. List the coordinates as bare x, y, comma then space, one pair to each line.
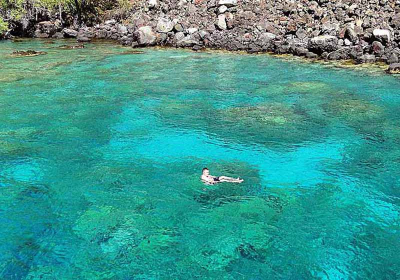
72, 47
27, 53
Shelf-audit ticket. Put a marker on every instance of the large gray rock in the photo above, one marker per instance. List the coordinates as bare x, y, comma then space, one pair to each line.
58, 35
186, 41
145, 36
40, 34
324, 43
126, 40
351, 34
311, 55
330, 27
45, 29
179, 36
366, 58
378, 48
268, 36
165, 25
340, 54
122, 29
393, 58
395, 22
192, 30
203, 34
265, 40
83, 39
301, 34
70, 33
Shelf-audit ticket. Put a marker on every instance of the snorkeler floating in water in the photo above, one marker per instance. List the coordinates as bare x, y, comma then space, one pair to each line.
211, 180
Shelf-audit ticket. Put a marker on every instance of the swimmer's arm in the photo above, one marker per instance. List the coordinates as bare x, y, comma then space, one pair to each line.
208, 179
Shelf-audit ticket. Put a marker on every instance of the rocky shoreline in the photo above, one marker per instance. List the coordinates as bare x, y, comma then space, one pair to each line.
364, 31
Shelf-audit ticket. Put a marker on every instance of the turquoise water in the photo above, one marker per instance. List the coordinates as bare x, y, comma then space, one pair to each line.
101, 151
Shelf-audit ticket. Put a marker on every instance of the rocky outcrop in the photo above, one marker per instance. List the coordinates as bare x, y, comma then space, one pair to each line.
46, 29
363, 30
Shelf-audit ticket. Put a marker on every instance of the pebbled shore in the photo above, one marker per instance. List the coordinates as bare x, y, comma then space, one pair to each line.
365, 31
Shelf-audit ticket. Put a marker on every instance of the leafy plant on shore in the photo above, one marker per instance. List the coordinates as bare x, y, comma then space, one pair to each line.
3, 26
87, 11
12, 9
121, 11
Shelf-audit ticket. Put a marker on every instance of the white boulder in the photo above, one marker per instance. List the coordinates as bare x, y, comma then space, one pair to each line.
146, 36
382, 35
228, 3
165, 25
153, 3
222, 9
221, 22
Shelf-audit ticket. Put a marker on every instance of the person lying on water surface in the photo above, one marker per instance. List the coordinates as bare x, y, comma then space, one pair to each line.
211, 180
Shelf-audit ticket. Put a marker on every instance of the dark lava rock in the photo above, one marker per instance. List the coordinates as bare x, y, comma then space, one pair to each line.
366, 58
324, 43
394, 68
67, 47
300, 51
197, 48
341, 54
27, 53
45, 29
311, 55
133, 52
378, 48
351, 34
83, 39
58, 35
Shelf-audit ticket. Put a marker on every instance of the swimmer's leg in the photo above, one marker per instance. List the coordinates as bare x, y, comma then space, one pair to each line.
230, 179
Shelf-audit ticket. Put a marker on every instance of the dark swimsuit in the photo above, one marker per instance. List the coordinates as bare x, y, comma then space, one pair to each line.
216, 179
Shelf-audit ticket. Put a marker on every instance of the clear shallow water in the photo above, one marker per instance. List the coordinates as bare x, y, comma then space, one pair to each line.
101, 152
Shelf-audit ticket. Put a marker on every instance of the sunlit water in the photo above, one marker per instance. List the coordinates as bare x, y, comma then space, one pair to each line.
101, 151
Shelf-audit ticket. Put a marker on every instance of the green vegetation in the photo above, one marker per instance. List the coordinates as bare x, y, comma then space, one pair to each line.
3, 26
87, 11
12, 9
